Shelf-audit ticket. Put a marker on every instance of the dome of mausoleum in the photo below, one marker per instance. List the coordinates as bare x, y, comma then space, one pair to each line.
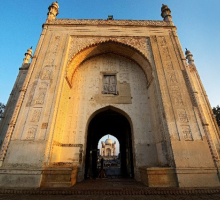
108, 141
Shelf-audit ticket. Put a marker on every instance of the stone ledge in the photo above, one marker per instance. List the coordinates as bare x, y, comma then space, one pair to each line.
196, 170
58, 177
158, 176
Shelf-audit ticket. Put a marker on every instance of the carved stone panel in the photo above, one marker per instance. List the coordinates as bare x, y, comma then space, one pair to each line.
81, 42
162, 41
35, 116
182, 116
176, 95
168, 65
173, 78
40, 96
46, 73
31, 93
177, 98
52, 51
187, 133
39, 99
30, 135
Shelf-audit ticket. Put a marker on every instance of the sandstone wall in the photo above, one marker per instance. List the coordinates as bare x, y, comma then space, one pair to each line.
64, 89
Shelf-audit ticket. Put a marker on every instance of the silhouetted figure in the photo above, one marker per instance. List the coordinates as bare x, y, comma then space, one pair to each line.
102, 171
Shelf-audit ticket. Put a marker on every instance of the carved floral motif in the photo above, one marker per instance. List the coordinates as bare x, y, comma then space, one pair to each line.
78, 43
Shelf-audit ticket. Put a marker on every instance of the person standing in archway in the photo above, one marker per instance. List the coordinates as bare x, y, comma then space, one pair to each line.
102, 171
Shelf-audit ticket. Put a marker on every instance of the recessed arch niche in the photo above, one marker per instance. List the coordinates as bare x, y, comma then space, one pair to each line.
82, 96
104, 47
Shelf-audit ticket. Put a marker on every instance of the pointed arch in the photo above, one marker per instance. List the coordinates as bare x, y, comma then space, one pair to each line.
118, 123
104, 47
118, 110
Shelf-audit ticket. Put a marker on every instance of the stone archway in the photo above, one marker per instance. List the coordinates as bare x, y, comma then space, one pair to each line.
109, 121
81, 102
105, 47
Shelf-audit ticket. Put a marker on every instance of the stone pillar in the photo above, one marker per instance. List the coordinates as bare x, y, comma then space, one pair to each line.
166, 13
53, 11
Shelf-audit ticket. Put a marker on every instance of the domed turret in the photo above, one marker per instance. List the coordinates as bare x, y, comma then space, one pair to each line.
103, 144
53, 11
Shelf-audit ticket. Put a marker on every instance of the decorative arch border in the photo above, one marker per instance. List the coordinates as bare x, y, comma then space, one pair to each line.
120, 111
108, 46
113, 108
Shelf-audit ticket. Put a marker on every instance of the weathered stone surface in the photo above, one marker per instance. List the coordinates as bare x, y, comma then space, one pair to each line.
54, 100
159, 177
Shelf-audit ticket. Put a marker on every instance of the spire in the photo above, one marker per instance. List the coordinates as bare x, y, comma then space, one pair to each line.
189, 57
53, 11
27, 56
166, 13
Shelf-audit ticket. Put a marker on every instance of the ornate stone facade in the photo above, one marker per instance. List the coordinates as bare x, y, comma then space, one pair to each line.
133, 71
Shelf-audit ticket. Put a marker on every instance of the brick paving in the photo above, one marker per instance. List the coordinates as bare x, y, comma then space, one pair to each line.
110, 189
107, 197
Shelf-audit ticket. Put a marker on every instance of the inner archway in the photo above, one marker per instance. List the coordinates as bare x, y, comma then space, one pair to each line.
116, 124
109, 157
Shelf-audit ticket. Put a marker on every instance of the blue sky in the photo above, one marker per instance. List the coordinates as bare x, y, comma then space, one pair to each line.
196, 20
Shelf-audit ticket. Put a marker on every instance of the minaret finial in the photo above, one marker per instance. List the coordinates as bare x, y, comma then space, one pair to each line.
27, 56
53, 11
166, 13
189, 56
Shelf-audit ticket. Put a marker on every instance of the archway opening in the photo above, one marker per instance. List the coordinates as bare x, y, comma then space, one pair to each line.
109, 156
114, 123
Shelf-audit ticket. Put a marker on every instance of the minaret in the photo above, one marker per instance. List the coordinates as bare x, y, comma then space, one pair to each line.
8, 122
166, 13
53, 11
204, 108
189, 57
28, 56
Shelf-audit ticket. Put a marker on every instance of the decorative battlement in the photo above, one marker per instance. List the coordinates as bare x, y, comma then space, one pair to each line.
110, 22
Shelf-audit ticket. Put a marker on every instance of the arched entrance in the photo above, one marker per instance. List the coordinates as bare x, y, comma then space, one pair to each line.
116, 124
